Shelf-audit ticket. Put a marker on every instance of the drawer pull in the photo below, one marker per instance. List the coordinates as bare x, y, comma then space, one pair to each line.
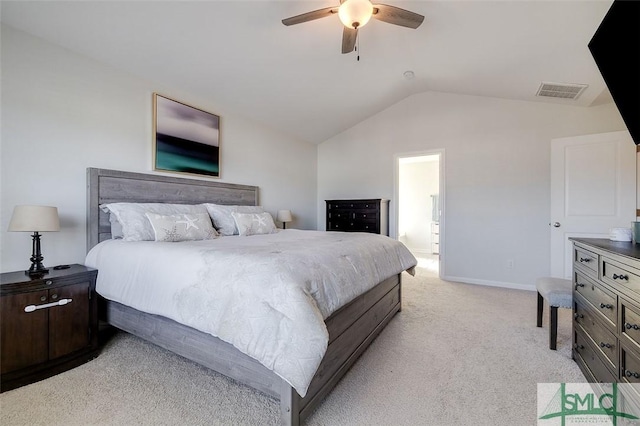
579, 285
621, 277
32, 308
577, 315
48, 282
607, 306
629, 326
585, 260
629, 373
605, 345
577, 346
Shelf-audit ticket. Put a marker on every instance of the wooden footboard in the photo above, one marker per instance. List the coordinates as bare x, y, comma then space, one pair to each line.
351, 329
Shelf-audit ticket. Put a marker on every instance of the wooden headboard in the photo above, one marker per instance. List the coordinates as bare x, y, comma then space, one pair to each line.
113, 186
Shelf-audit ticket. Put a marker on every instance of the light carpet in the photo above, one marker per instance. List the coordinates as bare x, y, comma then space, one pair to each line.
457, 354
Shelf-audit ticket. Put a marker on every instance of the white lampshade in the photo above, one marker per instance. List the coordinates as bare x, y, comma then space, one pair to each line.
34, 219
284, 216
353, 12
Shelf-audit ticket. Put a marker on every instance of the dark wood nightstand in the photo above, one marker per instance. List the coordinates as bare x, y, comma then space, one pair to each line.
48, 324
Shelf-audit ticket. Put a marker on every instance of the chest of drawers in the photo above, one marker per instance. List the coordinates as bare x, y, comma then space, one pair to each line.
606, 310
370, 215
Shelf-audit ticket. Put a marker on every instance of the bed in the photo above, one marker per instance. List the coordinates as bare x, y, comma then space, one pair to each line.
350, 328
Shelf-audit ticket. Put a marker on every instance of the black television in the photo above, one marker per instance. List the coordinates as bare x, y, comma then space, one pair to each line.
615, 47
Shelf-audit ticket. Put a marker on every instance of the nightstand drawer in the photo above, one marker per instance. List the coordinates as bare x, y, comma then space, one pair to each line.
603, 300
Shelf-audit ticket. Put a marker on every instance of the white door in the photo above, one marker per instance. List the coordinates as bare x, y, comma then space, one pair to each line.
593, 189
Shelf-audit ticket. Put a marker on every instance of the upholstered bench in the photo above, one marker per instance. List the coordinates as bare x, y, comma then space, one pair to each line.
558, 294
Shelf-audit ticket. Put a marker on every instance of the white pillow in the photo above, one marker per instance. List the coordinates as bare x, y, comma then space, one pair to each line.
222, 219
136, 225
116, 228
182, 227
254, 223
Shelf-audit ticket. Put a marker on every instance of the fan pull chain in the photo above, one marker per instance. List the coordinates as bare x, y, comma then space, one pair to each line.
358, 49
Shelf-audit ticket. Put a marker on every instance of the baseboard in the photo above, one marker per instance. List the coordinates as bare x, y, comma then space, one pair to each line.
516, 286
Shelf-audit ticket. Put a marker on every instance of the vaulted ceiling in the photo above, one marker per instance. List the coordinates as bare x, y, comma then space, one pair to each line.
240, 55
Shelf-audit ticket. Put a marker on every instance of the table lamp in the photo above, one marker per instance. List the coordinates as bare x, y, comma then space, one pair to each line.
35, 219
284, 216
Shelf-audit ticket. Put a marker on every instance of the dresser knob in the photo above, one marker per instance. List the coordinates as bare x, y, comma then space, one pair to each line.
43, 298
629, 326
54, 296
607, 306
48, 282
605, 345
577, 315
621, 277
629, 373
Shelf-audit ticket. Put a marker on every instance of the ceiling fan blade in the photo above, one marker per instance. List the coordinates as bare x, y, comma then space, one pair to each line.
310, 16
349, 36
395, 15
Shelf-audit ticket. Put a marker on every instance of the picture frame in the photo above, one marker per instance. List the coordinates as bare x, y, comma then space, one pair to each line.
186, 139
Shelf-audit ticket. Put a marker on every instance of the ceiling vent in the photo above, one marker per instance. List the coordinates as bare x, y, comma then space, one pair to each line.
561, 90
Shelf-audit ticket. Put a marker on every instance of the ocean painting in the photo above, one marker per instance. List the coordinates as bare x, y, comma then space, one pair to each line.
186, 139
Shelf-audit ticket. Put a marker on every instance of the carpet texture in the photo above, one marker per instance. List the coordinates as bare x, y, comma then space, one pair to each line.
457, 354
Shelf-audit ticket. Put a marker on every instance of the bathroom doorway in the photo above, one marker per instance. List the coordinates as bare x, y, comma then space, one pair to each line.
420, 207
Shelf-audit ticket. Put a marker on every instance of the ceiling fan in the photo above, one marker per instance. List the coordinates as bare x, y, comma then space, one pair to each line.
354, 14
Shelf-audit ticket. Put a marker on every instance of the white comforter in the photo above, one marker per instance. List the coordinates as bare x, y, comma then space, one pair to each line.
267, 295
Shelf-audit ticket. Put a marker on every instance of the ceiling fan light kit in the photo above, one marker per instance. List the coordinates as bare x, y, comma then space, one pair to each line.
355, 14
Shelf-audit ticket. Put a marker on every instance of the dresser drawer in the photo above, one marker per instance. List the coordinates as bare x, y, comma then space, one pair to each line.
602, 338
586, 261
351, 205
339, 215
630, 323
618, 275
364, 215
604, 301
583, 348
629, 366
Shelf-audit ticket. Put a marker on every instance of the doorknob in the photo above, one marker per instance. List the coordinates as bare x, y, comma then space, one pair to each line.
556, 224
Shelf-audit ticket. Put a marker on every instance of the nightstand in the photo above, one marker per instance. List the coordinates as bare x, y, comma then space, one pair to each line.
48, 324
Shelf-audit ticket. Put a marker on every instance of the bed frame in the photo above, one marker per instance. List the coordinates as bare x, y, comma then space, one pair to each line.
351, 329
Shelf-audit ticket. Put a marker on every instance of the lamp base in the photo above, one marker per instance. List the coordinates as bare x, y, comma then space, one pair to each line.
37, 268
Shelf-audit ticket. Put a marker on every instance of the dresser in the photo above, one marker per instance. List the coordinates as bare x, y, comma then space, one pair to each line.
606, 310
370, 215
48, 323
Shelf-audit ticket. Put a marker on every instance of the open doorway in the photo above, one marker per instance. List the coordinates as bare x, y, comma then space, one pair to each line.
420, 207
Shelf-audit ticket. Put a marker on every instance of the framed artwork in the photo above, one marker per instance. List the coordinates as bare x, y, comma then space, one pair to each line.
185, 139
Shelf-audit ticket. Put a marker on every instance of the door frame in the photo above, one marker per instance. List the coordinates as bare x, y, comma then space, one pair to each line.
442, 198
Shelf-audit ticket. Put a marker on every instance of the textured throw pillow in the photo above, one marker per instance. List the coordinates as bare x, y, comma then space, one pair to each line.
254, 223
222, 219
133, 219
182, 227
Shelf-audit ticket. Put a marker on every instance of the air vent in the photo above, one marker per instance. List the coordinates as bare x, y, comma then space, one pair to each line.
561, 90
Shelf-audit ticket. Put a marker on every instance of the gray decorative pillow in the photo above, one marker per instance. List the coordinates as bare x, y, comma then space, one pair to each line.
254, 223
222, 219
182, 227
134, 222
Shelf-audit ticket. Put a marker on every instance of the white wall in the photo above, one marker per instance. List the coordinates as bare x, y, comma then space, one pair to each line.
63, 112
497, 195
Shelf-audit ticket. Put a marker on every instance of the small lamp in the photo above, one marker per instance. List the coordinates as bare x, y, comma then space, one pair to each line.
35, 219
284, 216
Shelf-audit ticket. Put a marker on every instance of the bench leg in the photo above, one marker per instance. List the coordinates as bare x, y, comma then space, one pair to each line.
553, 327
540, 306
